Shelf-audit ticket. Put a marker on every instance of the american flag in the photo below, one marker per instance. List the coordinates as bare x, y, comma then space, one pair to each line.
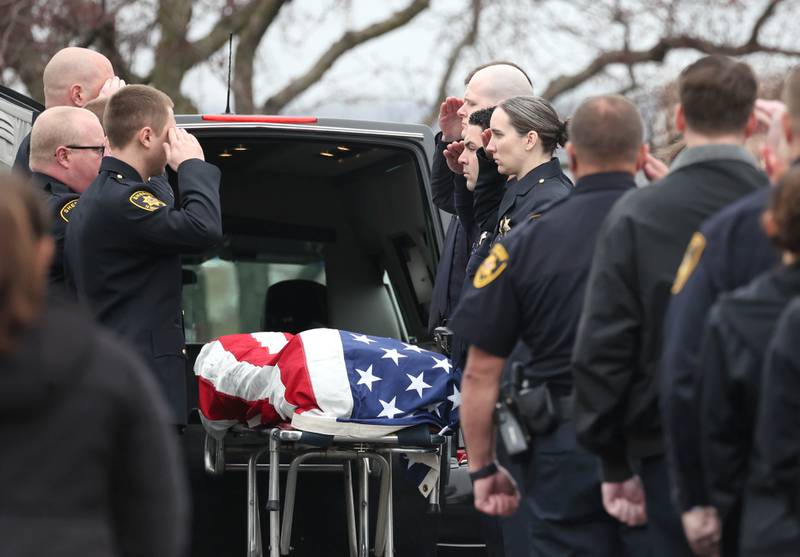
325, 381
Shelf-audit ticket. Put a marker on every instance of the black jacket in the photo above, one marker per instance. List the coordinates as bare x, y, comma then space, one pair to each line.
736, 251
453, 258
738, 330
62, 201
123, 249
771, 514
22, 160
618, 344
90, 464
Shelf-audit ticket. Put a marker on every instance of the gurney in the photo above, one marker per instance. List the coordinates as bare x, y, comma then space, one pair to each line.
259, 427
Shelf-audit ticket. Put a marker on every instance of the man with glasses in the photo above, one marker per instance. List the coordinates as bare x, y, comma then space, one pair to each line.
67, 144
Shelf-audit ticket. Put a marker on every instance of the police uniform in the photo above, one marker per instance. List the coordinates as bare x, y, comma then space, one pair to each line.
523, 199
617, 350
738, 331
62, 201
531, 287
729, 251
771, 514
123, 252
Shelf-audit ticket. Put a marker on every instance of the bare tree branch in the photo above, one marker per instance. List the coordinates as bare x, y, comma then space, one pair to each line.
346, 42
467, 40
658, 52
249, 39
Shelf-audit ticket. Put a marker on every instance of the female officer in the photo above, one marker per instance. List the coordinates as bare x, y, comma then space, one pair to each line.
89, 463
737, 334
525, 133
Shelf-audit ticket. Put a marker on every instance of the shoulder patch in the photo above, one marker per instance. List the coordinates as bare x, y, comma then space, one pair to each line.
66, 209
492, 267
146, 200
690, 260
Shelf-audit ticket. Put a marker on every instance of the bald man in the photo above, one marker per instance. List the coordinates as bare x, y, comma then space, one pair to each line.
73, 77
67, 144
486, 86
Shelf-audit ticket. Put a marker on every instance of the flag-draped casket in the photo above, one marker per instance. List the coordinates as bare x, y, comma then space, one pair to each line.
325, 381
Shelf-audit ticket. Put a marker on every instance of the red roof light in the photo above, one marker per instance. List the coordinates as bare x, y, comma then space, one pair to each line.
259, 119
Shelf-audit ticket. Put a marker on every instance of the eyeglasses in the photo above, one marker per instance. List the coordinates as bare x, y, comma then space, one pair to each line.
100, 149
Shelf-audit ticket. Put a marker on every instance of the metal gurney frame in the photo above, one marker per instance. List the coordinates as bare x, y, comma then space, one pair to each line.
302, 446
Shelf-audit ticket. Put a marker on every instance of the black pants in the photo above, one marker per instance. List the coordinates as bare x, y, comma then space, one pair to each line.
663, 521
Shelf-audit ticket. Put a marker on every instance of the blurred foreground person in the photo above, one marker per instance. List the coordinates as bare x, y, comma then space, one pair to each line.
531, 288
618, 345
67, 144
89, 463
73, 77
738, 332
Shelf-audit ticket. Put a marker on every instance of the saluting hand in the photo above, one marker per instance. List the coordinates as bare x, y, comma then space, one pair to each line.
181, 146
496, 494
111, 86
451, 154
486, 137
449, 120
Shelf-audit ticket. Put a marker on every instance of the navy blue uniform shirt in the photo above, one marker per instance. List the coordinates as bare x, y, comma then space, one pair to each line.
531, 285
123, 249
61, 201
729, 251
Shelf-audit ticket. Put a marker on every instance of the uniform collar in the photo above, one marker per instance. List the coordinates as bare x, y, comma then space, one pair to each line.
121, 169
48, 184
544, 171
604, 181
706, 153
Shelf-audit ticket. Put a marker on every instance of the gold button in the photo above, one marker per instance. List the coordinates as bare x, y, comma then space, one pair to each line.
120, 176
183, 351
541, 180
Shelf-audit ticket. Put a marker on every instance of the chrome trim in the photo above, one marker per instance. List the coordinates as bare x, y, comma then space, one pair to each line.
301, 127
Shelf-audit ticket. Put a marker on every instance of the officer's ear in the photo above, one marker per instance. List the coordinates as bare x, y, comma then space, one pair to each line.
680, 119
641, 156
76, 95
146, 137
573, 160
531, 140
62, 156
786, 125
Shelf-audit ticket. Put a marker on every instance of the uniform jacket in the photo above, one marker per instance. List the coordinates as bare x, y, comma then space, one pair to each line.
618, 344
123, 258
734, 250
90, 464
22, 160
62, 201
453, 258
738, 331
771, 515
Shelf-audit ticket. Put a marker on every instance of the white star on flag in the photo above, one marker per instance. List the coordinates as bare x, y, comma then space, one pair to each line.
417, 383
444, 364
393, 355
412, 348
367, 378
455, 398
362, 338
434, 408
389, 409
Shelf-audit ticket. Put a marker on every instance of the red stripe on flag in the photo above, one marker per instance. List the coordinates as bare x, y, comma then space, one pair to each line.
246, 348
221, 406
295, 377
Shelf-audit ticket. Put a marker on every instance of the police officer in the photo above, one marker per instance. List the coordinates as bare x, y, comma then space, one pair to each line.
124, 240
531, 287
618, 346
73, 77
771, 516
738, 330
67, 144
485, 87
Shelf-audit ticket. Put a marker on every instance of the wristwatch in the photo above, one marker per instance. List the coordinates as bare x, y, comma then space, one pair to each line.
484, 472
